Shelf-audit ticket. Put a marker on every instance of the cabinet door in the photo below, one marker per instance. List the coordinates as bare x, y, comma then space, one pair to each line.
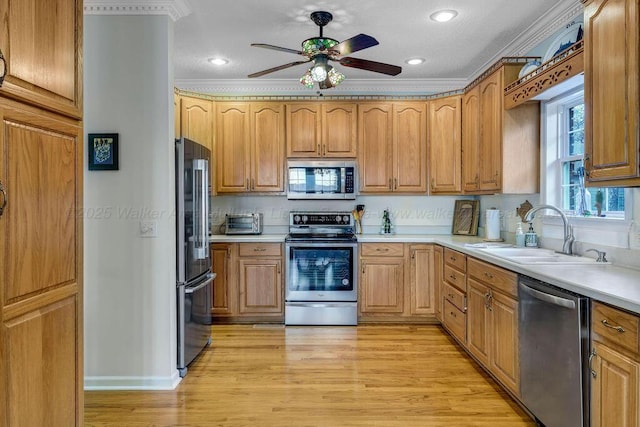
41, 169
615, 388
382, 285
471, 140
504, 341
438, 257
303, 130
232, 147
445, 145
491, 132
223, 303
44, 60
196, 123
375, 154
267, 147
260, 286
478, 318
339, 130
410, 147
611, 92
423, 285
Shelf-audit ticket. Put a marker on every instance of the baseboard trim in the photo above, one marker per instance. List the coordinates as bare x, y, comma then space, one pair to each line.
132, 383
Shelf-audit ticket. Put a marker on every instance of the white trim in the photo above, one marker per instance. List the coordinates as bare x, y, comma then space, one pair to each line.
132, 383
293, 87
175, 9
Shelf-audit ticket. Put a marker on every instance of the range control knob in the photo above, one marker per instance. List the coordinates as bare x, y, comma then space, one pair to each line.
338, 218
305, 218
296, 219
345, 218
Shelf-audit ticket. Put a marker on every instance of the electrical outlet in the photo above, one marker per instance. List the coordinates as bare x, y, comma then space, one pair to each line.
148, 229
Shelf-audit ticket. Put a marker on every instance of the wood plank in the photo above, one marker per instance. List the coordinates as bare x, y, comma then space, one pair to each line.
321, 376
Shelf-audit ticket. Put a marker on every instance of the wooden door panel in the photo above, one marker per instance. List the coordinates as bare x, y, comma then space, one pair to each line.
197, 120
471, 140
410, 147
260, 286
339, 130
232, 148
478, 321
383, 287
491, 133
423, 285
504, 341
40, 363
303, 130
40, 221
222, 301
44, 61
445, 145
375, 155
267, 157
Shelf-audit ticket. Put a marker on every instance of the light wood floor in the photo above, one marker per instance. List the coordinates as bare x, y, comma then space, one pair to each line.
262, 376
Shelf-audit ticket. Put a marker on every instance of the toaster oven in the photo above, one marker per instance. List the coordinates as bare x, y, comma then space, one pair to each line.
250, 223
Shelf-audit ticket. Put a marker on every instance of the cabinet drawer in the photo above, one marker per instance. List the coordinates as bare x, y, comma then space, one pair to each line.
382, 249
496, 277
454, 296
455, 321
260, 249
455, 259
455, 278
614, 325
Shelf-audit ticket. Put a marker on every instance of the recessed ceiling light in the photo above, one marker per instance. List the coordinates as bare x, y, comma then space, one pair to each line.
444, 15
218, 61
414, 61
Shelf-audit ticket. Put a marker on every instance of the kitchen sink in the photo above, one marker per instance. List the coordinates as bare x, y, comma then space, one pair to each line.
539, 256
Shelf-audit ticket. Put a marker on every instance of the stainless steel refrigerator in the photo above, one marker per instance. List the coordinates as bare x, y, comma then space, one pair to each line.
194, 276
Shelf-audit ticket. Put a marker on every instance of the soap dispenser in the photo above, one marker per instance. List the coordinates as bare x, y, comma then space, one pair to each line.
519, 235
531, 238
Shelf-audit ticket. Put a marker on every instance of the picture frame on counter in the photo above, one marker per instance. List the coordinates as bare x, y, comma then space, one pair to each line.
103, 151
465, 217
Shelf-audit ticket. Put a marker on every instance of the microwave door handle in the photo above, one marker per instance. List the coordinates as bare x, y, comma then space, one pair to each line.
343, 179
200, 208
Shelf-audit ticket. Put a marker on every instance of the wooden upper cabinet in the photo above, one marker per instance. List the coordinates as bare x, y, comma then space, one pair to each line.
445, 145
321, 130
232, 147
393, 147
501, 148
471, 140
249, 147
410, 147
44, 61
375, 154
611, 92
267, 147
196, 120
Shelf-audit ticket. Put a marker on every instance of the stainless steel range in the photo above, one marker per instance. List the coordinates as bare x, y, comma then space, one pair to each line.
320, 267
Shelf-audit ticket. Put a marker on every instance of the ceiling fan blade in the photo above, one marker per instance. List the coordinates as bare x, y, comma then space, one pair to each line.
376, 67
354, 44
278, 68
281, 49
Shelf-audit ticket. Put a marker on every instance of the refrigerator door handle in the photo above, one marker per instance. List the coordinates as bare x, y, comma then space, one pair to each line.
210, 278
200, 189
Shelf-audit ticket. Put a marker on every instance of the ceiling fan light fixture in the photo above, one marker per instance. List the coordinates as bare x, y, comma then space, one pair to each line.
335, 77
306, 80
315, 45
444, 15
320, 69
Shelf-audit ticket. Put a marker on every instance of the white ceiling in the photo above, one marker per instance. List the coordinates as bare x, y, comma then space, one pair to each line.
455, 52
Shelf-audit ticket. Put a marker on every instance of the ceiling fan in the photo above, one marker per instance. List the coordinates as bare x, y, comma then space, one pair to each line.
320, 50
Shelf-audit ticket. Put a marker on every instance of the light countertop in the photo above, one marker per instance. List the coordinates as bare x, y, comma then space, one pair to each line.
611, 284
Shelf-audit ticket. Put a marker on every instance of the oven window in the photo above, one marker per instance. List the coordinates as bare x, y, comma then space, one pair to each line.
313, 269
314, 180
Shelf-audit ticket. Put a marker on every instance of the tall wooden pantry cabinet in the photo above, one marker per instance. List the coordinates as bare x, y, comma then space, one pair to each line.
41, 167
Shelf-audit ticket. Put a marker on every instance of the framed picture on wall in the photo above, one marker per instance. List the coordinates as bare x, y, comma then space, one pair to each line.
465, 217
103, 151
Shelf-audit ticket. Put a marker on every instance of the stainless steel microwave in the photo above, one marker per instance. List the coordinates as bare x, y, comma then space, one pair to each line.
322, 179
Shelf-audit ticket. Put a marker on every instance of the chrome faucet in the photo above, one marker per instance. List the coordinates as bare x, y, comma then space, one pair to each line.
567, 245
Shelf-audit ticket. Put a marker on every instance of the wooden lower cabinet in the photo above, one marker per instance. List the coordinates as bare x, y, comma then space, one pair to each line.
492, 321
615, 365
396, 282
438, 254
249, 282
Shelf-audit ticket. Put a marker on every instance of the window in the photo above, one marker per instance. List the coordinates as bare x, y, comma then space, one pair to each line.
565, 184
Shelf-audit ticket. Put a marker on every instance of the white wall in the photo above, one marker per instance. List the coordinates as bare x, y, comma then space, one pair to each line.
129, 281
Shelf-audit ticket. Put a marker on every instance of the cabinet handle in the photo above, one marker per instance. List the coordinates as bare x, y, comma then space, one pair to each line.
488, 275
413, 254
452, 277
324, 150
433, 185
363, 269
382, 249
608, 325
318, 149
593, 354
5, 199
228, 253
247, 185
3, 70
390, 186
253, 183
259, 249
453, 259
453, 314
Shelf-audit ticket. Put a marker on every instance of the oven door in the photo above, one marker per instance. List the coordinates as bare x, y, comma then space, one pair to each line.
321, 271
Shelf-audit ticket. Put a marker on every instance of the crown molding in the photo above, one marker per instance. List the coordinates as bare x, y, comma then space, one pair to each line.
288, 87
175, 9
555, 19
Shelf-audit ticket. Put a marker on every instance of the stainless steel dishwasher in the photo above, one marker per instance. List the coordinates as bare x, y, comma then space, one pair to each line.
554, 350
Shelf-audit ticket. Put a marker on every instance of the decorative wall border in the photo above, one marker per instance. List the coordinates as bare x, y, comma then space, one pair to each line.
175, 9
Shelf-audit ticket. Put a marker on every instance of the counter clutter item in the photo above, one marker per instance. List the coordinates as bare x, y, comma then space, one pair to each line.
492, 228
531, 238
